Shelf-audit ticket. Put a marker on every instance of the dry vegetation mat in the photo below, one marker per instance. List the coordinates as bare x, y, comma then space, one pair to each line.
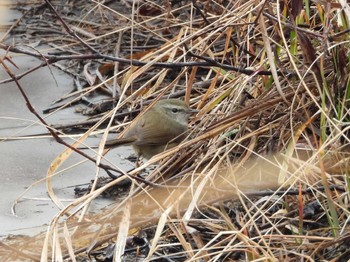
263, 173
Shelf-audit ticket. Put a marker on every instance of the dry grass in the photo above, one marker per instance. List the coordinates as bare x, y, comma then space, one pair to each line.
268, 79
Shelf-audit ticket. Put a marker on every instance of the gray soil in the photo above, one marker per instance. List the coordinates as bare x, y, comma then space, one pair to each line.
25, 161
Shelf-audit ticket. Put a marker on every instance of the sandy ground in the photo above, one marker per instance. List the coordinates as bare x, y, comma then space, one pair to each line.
24, 162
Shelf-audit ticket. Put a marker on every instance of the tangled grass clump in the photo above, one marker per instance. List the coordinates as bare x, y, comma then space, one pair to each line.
271, 83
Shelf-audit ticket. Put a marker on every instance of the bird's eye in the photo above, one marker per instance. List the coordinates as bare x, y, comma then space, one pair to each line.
175, 110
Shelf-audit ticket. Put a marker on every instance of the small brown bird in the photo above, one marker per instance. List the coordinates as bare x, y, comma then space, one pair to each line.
162, 127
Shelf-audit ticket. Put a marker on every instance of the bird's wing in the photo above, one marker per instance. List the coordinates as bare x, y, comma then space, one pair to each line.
151, 131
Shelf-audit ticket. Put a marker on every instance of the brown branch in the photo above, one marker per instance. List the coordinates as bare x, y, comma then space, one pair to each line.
50, 59
212, 62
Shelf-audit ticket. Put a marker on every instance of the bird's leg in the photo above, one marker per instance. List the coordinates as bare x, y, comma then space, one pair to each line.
138, 161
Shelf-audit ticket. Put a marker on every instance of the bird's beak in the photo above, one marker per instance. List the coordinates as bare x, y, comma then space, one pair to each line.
192, 111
